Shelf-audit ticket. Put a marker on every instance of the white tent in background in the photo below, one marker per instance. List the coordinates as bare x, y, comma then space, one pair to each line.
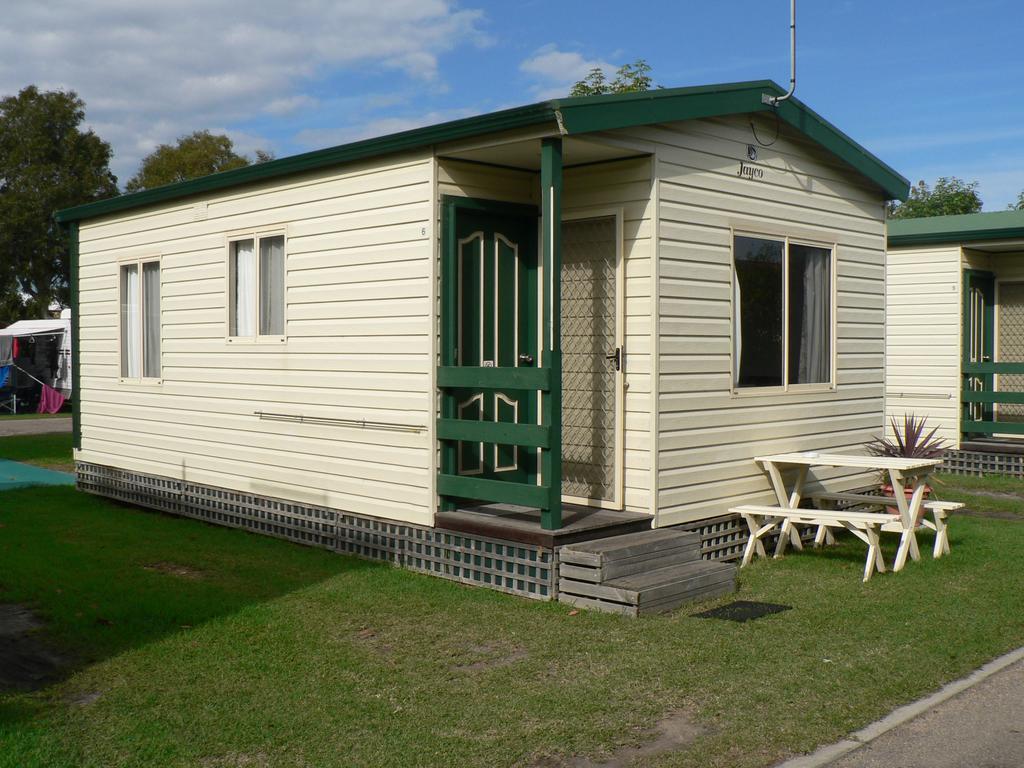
61, 328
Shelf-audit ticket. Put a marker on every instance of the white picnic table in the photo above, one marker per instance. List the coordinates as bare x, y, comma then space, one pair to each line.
903, 474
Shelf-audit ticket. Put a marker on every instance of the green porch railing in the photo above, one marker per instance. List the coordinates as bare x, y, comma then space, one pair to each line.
978, 394
451, 431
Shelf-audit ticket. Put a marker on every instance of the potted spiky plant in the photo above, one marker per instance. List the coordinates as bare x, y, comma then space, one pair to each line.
908, 442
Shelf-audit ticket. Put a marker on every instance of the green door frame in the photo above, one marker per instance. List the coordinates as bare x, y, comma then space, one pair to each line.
546, 378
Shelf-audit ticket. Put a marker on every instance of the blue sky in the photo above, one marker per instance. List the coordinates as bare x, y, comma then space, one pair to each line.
933, 88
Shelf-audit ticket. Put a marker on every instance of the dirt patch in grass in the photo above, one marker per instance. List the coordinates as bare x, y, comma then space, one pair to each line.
495, 657
83, 699
237, 760
992, 514
26, 661
57, 466
176, 569
673, 732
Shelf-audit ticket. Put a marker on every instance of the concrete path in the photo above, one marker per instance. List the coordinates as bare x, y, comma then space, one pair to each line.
977, 722
10, 427
983, 727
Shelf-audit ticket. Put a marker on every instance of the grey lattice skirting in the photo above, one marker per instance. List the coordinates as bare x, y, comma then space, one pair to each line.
959, 462
721, 538
522, 569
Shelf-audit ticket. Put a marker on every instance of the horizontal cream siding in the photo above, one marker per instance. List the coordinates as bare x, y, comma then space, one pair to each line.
607, 187
707, 436
359, 326
923, 306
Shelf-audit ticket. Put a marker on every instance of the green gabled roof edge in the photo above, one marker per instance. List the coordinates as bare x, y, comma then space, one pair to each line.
960, 228
573, 115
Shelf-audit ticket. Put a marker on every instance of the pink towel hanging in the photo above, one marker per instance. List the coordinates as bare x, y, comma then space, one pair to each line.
50, 401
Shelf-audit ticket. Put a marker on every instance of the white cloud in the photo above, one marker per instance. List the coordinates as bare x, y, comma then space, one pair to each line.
315, 138
556, 71
288, 104
150, 72
999, 181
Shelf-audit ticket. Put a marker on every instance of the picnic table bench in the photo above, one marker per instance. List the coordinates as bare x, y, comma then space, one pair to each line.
864, 515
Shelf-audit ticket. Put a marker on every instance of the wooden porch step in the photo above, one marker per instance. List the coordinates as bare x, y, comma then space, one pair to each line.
654, 591
618, 556
614, 548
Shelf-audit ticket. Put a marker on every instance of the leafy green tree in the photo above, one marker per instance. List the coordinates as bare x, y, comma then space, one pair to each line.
949, 197
628, 78
47, 162
198, 154
1019, 205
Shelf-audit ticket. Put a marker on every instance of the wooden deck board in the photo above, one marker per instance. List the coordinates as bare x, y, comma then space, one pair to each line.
511, 522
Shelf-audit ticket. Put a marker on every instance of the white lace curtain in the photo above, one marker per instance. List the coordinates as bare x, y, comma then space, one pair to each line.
130, 337
244, 288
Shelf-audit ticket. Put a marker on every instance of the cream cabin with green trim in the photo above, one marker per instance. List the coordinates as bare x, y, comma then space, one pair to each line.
955, 335
721, 295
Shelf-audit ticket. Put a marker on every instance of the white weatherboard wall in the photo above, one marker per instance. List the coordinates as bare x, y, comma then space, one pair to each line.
621, 185
707, 436
359, 325
923, 306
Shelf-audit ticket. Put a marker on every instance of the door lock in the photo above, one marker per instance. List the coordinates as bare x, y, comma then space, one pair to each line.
526, 359
616, 356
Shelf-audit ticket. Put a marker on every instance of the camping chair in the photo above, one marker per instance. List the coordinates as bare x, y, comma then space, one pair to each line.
8, 400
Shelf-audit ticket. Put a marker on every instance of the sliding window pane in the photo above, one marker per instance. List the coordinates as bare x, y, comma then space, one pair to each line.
151, 320
130, 338
810, 315
757, 321
272, 286
243, 289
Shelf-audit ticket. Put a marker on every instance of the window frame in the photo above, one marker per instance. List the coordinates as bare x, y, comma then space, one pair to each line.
255, 235
139, 263
786, 239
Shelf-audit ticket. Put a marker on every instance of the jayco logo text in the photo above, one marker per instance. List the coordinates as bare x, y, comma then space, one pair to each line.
750, 171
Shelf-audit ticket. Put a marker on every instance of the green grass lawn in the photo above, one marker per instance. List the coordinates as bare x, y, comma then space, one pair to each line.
51, 450
994, 495
215, 647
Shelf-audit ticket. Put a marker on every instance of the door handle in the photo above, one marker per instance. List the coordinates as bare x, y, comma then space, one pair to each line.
526, 359
616, 356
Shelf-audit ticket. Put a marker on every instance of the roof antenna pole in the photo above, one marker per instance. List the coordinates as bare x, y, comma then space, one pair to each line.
769, 99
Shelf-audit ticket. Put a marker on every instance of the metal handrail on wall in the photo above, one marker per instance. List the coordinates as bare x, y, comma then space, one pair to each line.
299, 418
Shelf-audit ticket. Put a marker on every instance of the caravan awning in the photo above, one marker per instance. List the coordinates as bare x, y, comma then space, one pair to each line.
37, 328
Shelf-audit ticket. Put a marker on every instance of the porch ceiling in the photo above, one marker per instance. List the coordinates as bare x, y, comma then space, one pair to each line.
1001, 246
525, 153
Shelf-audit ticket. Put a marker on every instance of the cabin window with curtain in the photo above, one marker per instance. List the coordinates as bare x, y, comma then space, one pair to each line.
256, 275
782, 313
140, 320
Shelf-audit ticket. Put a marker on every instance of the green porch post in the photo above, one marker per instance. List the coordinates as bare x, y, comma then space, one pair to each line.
71, 230
551, 407
449, 333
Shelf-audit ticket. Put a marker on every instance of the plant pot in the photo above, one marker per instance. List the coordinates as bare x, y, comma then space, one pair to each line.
888, 490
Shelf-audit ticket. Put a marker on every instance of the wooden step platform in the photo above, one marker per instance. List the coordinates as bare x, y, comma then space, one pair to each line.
640, 573
602, 559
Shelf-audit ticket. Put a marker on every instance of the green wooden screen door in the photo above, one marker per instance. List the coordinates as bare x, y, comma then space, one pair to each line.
496, 269
979, 337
